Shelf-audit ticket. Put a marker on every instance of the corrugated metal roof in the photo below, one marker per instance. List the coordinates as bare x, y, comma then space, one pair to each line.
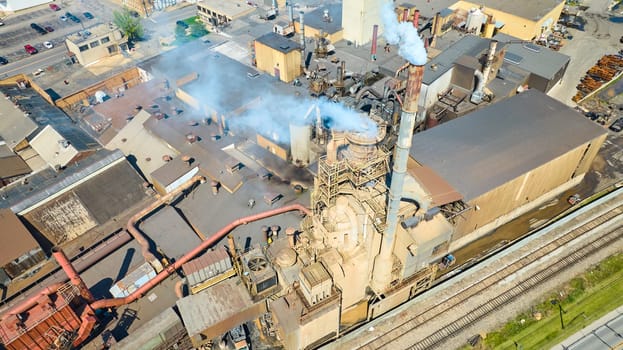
485, 149
13, 166
278, 42
529, 9
48, 182
469, 45
15, 238
214, 305
14, 125
440, 190
210, 264
545, 63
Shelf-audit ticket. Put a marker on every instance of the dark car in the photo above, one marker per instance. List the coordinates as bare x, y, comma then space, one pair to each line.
617, 126
182, 24
88, 15
30, 49
38, 28
3, 61
72, 17
48, 29
55, 7
135, 14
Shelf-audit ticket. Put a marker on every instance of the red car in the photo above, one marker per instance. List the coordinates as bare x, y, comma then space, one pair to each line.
30, 49
55, 7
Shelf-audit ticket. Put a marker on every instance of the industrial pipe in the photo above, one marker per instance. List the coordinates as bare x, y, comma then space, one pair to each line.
291, 14
405, 15
487, 69
375, 32
383, 263
369, 89
71, 272
416, 19
142, 241
302, 28
115, 302
32, 301
179, 288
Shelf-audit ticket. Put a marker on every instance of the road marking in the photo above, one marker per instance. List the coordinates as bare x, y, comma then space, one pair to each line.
153, 20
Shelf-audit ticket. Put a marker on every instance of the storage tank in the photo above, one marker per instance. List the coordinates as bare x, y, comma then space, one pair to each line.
300, 139
475, 19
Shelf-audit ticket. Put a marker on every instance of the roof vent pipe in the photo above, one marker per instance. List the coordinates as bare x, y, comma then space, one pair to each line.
375, 32
291, 14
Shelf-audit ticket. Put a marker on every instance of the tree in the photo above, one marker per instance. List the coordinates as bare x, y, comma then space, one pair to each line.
128, 24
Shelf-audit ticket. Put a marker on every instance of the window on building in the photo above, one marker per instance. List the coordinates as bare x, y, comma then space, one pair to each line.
84, 48
94, 44
104, 40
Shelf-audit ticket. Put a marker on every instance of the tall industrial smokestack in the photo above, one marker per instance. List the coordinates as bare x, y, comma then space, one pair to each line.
405, 15
375, 33
487, 70
291, 13
71, 272
302, 19
384, 261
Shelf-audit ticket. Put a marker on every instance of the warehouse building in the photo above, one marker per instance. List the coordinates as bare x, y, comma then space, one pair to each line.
278, 56
19, 251
525, 20
508, 158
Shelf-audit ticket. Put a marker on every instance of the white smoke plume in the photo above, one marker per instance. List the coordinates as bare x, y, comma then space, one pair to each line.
403, 34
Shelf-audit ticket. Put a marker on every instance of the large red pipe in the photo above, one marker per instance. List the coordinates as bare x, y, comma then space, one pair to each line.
87, 317
71, 272
131, 226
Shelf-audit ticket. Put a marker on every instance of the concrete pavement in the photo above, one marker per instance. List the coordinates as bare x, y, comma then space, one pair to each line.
605, 333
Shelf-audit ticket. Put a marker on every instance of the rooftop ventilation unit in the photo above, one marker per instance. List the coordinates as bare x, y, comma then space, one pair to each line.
513, 58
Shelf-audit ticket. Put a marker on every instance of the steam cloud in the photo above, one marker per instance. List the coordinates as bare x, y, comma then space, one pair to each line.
403, 34
224, 86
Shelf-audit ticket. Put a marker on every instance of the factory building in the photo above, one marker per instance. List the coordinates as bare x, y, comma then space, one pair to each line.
96, 42
278, 56
64, 205
359, 18
215, 13
39, 132
19, 250
525, 20
508, 158
323, 22
12, 166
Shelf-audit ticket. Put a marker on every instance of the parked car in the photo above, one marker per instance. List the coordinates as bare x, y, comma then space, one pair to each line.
617, 126
575, 199
48, 29
30, 49
3, 61
38, 28
88, 15
182, 24
48, 44
55, 7
72, 17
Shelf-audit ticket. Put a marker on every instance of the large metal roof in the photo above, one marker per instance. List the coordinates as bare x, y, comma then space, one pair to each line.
469, 45
485, 149
535, 59
316, 19
529, 9
15, 238
278, 42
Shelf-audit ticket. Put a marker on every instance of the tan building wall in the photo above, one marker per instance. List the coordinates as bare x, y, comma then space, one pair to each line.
522, 28
358, 18
526, 188
311, 32
96, 47
123, 80
269, 59
272, 147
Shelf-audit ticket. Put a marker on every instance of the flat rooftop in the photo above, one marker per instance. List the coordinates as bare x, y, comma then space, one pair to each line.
533, 58
230, 8
278, 42
529, 9
487, 148
317, 20
97, 30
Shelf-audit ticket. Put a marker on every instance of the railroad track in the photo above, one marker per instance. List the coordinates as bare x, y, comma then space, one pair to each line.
404, 333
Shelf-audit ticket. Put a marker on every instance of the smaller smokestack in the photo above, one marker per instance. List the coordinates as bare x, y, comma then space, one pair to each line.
274, 230
375, 33
187, 159
275, 6
265, 232
71, 272
215, 185
291, 234
343, 64
302, 22
435, 29
487, 70
291, 14
405, 15
331, 151
416, 19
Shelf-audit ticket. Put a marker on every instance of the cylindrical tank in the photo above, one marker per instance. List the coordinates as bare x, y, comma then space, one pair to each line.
300, 139
475, 19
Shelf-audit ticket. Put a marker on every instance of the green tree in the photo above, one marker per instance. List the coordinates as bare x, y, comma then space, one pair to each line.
128, 24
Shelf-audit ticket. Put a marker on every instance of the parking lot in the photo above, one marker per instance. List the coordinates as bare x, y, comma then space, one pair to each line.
17, 30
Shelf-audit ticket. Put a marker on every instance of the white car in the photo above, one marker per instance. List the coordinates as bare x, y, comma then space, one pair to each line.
48, 44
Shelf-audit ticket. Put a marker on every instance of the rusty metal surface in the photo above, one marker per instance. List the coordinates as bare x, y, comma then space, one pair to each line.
15, 238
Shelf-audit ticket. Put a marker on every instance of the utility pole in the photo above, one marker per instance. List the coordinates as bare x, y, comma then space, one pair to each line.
560, 310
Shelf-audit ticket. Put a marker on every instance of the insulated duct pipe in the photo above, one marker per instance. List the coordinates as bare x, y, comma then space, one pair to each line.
375, 34
302, 22
487, 70
71, 272
384, 261
138, 236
